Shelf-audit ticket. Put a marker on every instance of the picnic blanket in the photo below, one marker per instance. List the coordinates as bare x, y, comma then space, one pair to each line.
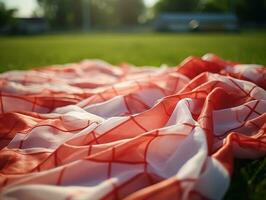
91, 130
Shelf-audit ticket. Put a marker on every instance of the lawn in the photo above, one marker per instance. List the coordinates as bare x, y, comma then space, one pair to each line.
140, 49
249, 178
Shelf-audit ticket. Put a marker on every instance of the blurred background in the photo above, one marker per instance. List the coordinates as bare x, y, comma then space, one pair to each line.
39, 16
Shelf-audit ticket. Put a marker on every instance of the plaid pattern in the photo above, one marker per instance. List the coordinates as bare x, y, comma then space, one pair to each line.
94, 131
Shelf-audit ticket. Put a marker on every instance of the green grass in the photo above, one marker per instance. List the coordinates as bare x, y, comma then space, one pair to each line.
249, 178
140, 49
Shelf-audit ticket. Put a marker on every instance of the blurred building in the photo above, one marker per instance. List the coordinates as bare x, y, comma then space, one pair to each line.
32, 25
185, 22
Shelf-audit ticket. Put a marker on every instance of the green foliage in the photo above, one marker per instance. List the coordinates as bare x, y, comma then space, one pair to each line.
177, 5
129, 11
62, 13
215, 6
6, 16
102, 13
194, 5
251, 10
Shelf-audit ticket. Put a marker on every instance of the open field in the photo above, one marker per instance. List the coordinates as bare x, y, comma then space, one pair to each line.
249, 179
140, 49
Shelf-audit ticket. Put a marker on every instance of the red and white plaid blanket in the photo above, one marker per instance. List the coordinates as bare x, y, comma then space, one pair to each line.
94, 131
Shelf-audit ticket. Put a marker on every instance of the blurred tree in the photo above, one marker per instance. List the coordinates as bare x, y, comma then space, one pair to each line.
102, 13
129, 11
6, 16
251, 11
214, 5
63, 13
177, 5
194, 5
